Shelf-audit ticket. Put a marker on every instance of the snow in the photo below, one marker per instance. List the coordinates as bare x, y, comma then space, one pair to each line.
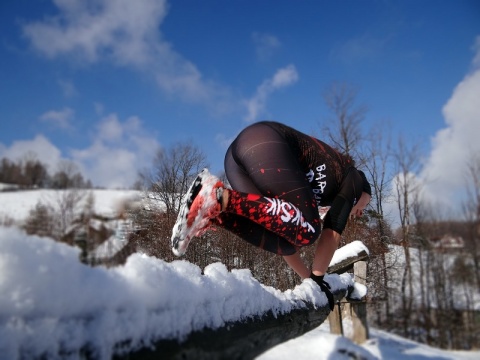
114, 243
4, 186
319, 344
51, 304
462, 299
354, 248
67, 305
17, 204
359, 291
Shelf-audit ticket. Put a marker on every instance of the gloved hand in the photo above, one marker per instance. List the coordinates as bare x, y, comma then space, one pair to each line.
325, 287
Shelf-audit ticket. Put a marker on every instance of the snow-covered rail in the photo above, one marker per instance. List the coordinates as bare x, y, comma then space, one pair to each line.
248, 338
243, 339
54, 307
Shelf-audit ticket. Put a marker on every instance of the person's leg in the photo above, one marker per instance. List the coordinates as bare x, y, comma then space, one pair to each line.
326, 247
296, 264
271, 205
245, 228
336, 220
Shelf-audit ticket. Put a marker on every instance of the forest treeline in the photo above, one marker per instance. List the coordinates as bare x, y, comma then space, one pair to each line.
29, 173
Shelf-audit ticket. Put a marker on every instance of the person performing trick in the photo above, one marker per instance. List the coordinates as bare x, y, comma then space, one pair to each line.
281, 181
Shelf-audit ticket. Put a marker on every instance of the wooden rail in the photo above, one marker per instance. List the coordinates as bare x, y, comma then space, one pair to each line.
353, 310
248, 339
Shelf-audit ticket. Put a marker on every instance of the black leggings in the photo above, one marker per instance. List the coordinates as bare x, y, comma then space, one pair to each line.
272, 205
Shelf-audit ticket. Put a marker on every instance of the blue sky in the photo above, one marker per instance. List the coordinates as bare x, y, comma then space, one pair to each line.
104, 83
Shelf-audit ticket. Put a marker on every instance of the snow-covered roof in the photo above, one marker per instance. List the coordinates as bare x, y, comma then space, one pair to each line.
448, 242
5, 186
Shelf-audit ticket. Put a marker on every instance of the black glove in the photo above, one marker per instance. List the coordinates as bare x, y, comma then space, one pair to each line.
325, 287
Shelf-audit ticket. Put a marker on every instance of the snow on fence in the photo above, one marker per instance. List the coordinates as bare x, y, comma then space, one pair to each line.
54, 307
249, 338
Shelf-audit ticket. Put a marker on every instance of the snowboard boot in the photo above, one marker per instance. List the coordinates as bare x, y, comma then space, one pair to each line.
201, 203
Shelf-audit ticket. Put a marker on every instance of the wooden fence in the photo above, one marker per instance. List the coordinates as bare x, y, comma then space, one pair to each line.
248, 339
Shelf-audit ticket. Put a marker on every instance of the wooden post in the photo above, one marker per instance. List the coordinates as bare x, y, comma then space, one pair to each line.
335, 320
353, 313
359, 309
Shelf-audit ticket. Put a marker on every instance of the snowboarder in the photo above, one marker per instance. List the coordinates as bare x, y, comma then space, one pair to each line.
281, 181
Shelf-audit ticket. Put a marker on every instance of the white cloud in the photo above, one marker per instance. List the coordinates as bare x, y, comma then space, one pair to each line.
265, 45
107, 166
127, 33
445, 170
110, 129
59, 118
45, 151
442, 180
120, 29
282, 78
118, 150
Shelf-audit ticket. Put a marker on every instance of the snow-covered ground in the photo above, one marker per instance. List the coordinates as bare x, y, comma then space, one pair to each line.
52, 304
319, 344
16, 205
465, 297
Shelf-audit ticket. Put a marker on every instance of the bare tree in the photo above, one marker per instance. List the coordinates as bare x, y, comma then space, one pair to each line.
53, 216
376, 156
67, 176
67, 208
407, 160
167, 182
472, 210
344, 130
40, 221
34, 172
9, 172
173, 171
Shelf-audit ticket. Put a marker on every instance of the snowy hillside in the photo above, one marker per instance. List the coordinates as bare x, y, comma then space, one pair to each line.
51, 304
17, 204
463, 297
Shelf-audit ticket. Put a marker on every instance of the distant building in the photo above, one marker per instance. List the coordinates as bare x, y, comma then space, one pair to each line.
8, 187
448, 241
